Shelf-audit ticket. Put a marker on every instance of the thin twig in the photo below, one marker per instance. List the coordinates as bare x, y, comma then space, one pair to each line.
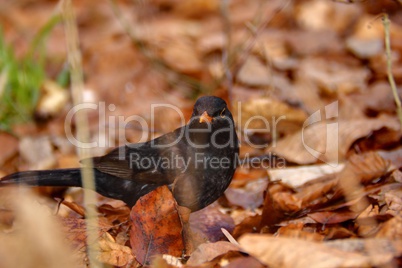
230, 237
77, 86
386, 23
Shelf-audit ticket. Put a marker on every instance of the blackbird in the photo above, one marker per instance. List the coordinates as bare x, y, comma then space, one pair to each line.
196, 161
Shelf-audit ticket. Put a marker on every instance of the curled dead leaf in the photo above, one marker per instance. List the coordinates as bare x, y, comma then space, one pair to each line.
318, 15
288, 252
248, 197
255, 73
52, 101
38, 152
392, 229
367, 166
9, 147
208, 222
115, 211
112, 253
312, 143
156, 226
36, 239
264, 114
296, 230
380, 252
80, 210
297, 176
181, 56
250, 224
208, 251
334, 78
329, 217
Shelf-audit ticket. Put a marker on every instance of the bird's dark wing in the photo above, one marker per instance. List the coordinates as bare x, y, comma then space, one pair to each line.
142, 162
114, 163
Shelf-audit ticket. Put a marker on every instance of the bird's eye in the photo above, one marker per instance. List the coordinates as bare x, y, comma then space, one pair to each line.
222, 112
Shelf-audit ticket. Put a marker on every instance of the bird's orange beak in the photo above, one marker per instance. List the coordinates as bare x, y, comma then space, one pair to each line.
205, 118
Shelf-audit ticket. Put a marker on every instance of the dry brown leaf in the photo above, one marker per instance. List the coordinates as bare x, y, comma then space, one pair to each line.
196, 8
9, 146
208, 251
329, 217
166, 261
287, 202
52, 101
36, 239
7, 218
248, 197
334, 78
318, 15
268, 115
245, 262
397, 175
392, 229
377, 98
338, 232
393, 199
379, 66
157, 32
272, 47
311, 43
76, 230
156, 226
112, 253
208, 222
365, 49
295, 230
80, 210
380, 252
238, 215
311, 144
376, 29
181, 56
310, 98
38, 152
115, 211
250, 224
211, 42
255, 73
395, 156
317, 193
297, 176
287, 252
68, 161
366, 42
360, 169
243, 175
365, 167
278, 200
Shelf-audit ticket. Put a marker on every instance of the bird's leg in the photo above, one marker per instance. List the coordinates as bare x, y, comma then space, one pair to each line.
189, 238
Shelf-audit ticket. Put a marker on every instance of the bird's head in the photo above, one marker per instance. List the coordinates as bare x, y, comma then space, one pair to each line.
210, 109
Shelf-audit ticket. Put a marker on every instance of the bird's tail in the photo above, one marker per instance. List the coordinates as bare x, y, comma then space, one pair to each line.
57, 177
